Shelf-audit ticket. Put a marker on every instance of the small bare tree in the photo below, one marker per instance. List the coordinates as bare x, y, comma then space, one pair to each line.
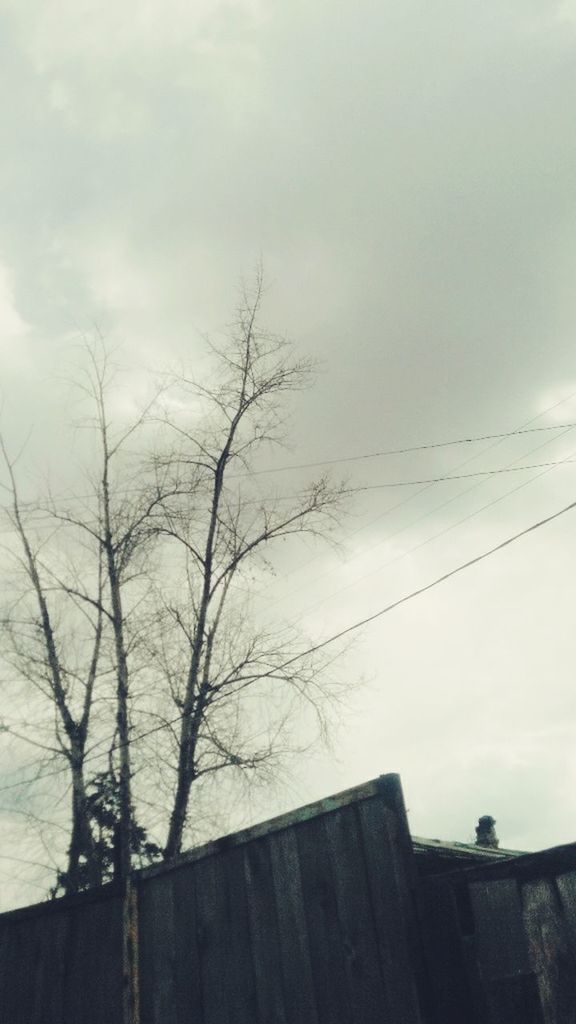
43, 651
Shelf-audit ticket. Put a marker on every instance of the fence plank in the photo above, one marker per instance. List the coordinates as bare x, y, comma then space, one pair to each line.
213, 939
567, 892
448, 994
157, 952
357, 925
502, 949
240, 976
93, 984
500, 939
323, 926
393, 908
515, 1000
50, 995
292, 933
264, 935
188, 999
550, 952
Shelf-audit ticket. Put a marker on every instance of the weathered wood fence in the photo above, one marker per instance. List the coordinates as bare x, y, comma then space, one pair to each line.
307, 919
317, 917
500, 941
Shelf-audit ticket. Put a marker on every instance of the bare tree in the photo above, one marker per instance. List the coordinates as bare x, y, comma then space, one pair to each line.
190, 687
221, 530
40, 651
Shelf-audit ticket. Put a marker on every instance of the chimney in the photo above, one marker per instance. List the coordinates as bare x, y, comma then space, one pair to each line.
486, 833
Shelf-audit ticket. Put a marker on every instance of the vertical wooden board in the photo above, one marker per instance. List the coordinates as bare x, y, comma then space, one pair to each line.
323, 924
501, 945
394, 908
264, 938
362, 963
567, 892
550, 952
49, 1006
16, 978
38, 982
187, 957
23, 971
25, 966
292, 933
76, 952
447, 993
12, 980
240, 970
157, 951
93, 984
4, 967
240, 974
514, 1000
104, 967
6, 972
213, 941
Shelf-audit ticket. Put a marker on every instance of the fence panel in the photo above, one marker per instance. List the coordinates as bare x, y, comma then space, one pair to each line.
308, 919
513, 923
59, 963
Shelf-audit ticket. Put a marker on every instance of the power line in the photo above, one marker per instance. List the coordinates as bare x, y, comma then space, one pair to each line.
331, 639
396, 483
361, 457
419, 519
457, 476
427, 540
524, 427
406, 451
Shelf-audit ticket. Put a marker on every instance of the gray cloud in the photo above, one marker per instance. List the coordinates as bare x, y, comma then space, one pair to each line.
406, 171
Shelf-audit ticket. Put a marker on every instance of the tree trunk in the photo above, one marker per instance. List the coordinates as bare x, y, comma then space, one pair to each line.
82, 840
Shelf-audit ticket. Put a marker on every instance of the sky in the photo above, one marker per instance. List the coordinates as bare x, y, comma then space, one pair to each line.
406, 173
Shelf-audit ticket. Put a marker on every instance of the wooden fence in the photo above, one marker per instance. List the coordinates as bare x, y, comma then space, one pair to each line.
60, 962
307, 919
500, 941
317, 917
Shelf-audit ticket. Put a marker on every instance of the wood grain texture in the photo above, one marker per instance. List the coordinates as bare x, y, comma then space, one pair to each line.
357, 925
501, 944
293, 942
550, 952
327, 953
157, 949
449, 997
264, 933
393, 907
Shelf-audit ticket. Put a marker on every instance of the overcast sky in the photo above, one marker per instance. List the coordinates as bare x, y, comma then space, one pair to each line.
406, 170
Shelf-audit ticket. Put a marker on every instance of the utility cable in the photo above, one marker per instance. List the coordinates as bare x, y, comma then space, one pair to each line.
353, 627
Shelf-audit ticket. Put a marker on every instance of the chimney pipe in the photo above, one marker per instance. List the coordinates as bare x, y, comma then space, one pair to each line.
486, 833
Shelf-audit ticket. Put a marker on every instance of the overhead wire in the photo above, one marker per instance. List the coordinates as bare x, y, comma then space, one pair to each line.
363, 456
497, 439
427, 540
359, 624
413, 448
425, 515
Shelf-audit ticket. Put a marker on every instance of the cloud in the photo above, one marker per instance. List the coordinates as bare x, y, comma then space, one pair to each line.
12, 326
407, 172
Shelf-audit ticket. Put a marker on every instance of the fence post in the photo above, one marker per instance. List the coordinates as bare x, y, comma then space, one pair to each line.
130, 979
